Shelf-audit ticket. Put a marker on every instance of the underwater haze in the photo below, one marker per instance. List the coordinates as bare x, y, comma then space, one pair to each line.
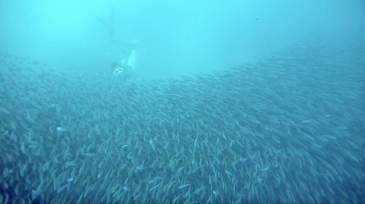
182, 102
174, 37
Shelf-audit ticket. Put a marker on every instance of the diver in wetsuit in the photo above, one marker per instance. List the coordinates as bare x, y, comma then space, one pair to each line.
128, 51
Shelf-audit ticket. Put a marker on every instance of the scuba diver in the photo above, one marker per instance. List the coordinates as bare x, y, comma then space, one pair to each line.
126, 67
128, 51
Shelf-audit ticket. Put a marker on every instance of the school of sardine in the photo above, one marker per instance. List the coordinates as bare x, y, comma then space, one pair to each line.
286, 129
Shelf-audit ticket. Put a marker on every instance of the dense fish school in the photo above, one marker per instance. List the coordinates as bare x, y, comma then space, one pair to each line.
287, 129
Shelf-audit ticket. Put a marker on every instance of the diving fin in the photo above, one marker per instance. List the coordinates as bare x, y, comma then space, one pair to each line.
109, 25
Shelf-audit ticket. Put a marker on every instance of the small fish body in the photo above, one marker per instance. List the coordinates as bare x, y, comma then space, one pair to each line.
184, 185
62, 129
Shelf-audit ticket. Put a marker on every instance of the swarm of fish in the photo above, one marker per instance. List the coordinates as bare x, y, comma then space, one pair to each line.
286, 129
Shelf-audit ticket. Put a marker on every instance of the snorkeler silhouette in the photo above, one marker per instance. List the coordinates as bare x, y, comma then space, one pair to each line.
127, 49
